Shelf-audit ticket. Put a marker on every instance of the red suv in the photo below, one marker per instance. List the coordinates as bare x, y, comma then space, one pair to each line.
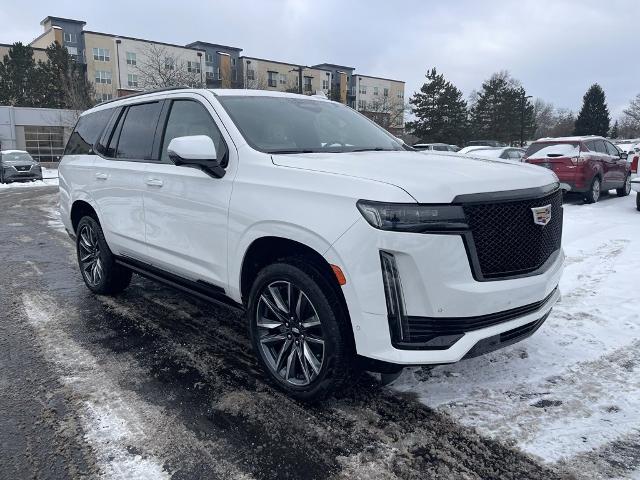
589, 165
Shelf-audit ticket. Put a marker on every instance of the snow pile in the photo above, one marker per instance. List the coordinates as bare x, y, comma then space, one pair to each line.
573, 389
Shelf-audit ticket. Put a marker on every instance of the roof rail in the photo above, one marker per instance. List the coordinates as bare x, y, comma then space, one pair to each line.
155, 90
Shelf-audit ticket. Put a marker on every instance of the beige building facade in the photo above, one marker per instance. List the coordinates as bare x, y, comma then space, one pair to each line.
266, 74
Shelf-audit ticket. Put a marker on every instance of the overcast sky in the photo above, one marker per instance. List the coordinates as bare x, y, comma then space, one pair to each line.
556, 48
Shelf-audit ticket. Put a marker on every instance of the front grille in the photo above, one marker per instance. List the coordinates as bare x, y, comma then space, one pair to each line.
505, 239
23, 168
424, 330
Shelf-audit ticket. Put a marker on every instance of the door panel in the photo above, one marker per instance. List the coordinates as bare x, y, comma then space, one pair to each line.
185, 208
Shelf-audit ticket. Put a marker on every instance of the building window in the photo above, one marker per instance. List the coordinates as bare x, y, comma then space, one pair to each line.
70, 37
73, 51
103, 97
325, 84
44, 144
131, 58
307, 84
101, 54
132, 80
233, 61
103, 77
363, 89
273, 79
218, 74
385, 92
362, 105
400, 94
251, 74
169, 63
375, 90
208, 59
209, 74
282, 79
193, 67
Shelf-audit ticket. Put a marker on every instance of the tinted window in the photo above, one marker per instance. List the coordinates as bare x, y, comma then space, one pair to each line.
599, 145
547, 149
87, 131
611, 150
20, 157
292, 125
441, 148
138, 129
191, 118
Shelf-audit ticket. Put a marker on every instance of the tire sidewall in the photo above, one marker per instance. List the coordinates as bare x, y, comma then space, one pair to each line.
590, 194
328, 318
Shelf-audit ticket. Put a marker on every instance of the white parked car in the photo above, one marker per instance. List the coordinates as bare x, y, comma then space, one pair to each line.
345, 249
438, 147
505, 153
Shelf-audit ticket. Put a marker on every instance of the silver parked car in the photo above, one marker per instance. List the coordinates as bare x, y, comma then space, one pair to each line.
18, 166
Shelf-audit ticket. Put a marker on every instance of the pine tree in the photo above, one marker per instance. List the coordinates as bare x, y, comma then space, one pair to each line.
614, 130
593, 118
440, 110
501, 110
17, 75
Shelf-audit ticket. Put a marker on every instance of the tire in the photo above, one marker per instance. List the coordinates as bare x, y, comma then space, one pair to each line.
284, 348
593, 194
97, 264
638, 201
626, 189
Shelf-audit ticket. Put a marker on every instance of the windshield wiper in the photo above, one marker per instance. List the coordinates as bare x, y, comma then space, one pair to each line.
300, 150
372, 149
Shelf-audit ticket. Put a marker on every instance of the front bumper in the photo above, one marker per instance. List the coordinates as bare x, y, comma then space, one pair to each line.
437, 283
11, 174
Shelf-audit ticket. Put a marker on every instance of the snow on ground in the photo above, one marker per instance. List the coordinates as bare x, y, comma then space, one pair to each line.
570, 394
50, 178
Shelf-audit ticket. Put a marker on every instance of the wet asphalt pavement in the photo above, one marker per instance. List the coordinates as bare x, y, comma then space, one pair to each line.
156, 384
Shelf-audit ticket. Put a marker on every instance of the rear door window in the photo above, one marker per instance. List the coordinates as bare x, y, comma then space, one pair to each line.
599, 145
611, 150
137, 131
87, 131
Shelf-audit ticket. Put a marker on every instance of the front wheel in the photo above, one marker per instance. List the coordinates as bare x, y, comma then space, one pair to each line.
593, 195
626, 188
97, 264
299, 330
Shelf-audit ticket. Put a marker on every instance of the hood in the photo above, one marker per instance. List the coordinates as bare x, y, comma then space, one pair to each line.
435, 177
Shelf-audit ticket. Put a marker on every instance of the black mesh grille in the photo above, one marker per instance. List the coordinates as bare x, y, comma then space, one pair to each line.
23, 168
507, 241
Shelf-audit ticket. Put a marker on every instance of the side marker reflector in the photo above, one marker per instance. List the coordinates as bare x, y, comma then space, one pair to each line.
339, 275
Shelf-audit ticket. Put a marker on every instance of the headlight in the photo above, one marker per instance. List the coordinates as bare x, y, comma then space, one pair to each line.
413, 217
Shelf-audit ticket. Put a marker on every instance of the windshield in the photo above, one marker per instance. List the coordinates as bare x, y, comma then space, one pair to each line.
564, 149
300, 125
10, 157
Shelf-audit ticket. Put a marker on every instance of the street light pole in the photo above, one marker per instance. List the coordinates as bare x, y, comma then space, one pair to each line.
524, 101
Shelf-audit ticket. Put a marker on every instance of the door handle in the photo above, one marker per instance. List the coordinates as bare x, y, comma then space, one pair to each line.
154, 182
101, 176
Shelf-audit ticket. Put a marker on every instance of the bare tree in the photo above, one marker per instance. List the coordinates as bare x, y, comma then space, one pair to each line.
158, 67
545, 115
388, 112
632, 113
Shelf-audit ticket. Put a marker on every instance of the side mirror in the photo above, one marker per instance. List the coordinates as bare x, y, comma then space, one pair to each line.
624, 155
196, 151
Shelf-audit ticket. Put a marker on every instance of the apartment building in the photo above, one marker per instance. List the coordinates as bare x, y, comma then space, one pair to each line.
221, 64
39, 54
263, 74
118, 65
381, 99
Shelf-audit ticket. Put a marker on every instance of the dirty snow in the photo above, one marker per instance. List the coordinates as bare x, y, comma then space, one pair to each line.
571, 391
50, 178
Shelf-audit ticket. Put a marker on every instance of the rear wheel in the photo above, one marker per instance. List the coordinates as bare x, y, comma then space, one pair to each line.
593, 194
299, 330
97, 264
638, 201
626, 188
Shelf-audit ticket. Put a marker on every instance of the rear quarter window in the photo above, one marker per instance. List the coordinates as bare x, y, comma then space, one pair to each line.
87, 132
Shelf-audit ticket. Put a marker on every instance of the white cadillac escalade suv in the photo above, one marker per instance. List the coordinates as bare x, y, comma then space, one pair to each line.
346, 249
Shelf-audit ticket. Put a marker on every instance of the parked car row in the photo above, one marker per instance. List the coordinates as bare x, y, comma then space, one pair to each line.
18, 166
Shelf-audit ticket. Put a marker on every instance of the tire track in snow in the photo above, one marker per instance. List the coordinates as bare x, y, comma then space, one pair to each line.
125, 432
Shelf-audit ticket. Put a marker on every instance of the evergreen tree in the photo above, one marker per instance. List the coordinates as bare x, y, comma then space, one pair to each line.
593, 119
16, 76
501, 110
440, 110
614, 131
